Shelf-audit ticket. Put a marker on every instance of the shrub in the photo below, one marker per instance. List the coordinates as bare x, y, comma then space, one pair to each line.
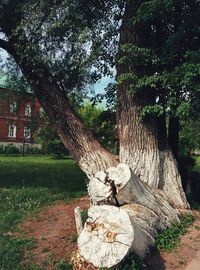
170, 238
57, 149
11, 149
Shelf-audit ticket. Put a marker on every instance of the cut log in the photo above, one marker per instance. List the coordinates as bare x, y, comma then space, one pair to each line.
107, 236
78, 220
119, 186
111, 233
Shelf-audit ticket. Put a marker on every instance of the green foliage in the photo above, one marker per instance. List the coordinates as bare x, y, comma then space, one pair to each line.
74, 238
50, 141
57, 149
101, 122
164, 60
9, 149
11, 252
84, 215
148, 111
62, 265
190, 134
170, 238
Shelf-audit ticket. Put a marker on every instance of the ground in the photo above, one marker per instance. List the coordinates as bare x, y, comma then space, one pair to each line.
185, 257
54, 231
40, 183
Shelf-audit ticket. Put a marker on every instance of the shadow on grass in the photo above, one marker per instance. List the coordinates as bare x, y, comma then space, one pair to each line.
64, 174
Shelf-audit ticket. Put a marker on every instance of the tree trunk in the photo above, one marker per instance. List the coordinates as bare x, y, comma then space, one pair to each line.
119, 186
77, 138
143, 143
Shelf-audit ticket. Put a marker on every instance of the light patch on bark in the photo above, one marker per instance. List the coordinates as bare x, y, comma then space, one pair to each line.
96, 160
158, 169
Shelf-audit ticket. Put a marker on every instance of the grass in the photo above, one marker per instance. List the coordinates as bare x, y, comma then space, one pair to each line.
26, 185
169, 239
31, 171
197, 166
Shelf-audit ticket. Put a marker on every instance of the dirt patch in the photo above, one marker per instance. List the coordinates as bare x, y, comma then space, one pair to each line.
181, 258
55, 233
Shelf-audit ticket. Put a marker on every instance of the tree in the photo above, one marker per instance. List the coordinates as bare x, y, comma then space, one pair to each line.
57, 44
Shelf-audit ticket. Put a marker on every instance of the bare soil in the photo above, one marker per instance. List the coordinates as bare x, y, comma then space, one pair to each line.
55, 234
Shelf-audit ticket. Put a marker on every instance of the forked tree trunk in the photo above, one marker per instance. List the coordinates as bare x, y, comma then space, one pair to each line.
143, 143
132, 211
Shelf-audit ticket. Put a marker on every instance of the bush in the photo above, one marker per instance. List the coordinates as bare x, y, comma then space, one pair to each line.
170, 238
1, 149
57, 149
11, 149
34, 151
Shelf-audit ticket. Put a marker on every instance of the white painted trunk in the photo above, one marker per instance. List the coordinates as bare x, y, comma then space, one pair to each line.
125, 218
159, 170
119, 186
111, 233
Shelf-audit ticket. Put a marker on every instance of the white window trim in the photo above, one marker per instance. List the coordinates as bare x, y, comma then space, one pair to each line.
13, 107
27, 130
12, 130
27, 110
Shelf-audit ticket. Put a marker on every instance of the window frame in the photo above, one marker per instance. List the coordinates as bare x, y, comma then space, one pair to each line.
12, 132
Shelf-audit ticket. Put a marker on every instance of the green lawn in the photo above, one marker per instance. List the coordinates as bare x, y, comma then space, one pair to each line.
27, 184
197, 167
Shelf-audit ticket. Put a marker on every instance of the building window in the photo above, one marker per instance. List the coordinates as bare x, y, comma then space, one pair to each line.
27, 133
12, 131
13, 107
28, 110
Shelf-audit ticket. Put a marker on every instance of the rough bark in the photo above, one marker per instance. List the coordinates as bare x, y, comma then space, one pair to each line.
143, 143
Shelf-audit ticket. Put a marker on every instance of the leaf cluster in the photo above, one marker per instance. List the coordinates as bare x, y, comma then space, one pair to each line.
170, 238
168, 63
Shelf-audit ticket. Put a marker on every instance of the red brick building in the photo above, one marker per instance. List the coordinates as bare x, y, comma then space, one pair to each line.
19, 118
